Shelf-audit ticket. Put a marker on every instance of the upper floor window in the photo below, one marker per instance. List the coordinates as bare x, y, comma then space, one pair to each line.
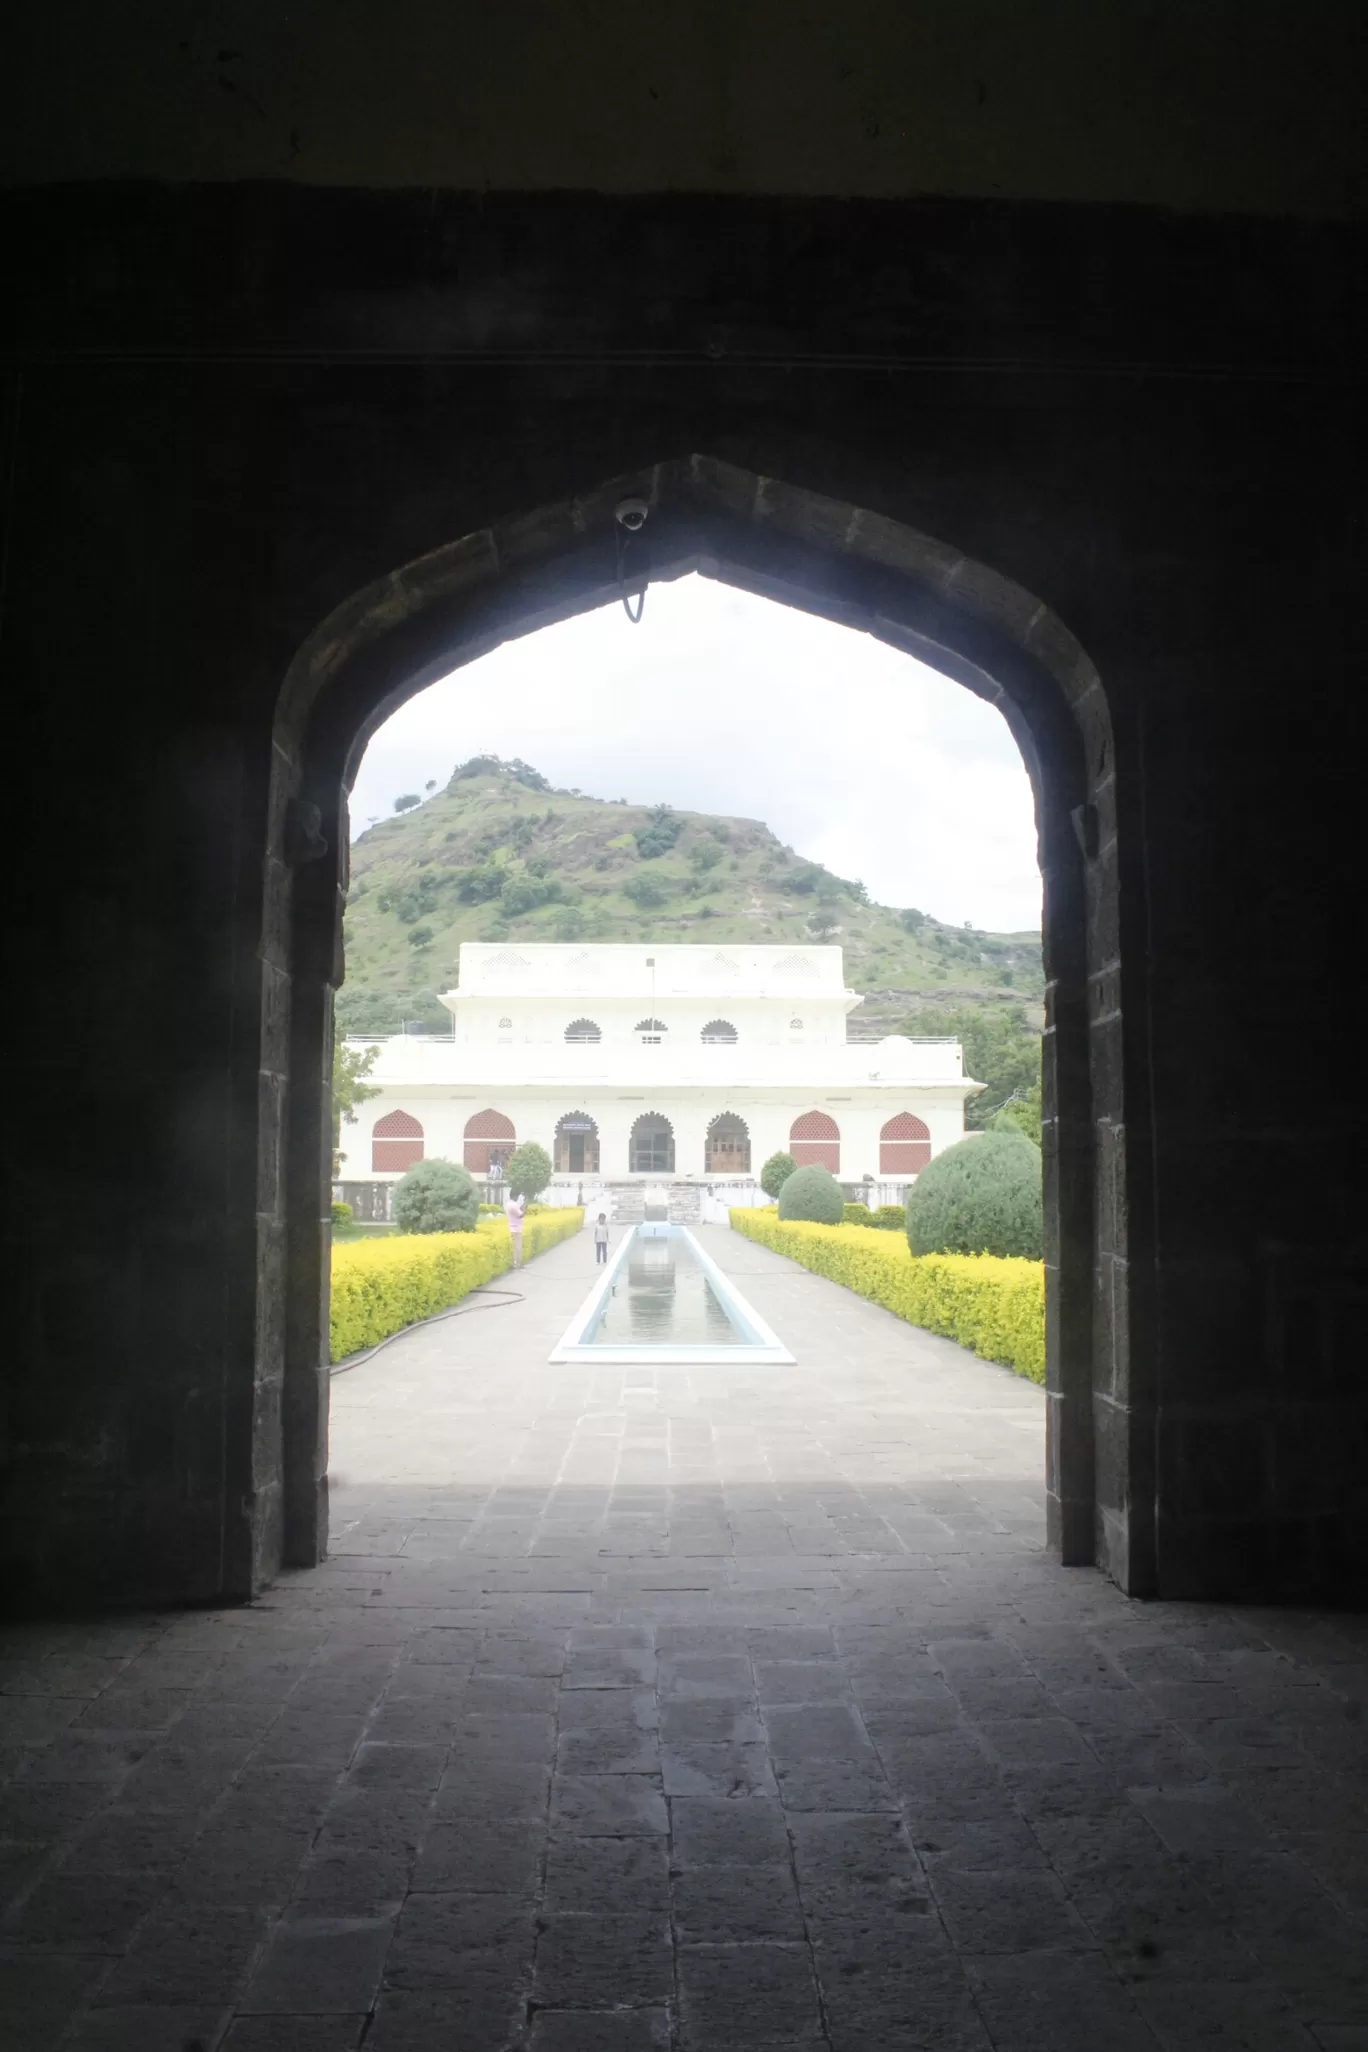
505, 1025
719, 1033
795, 1025
585, 1032
652, 1031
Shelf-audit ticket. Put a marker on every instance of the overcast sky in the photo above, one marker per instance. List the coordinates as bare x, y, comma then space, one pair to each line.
855, 755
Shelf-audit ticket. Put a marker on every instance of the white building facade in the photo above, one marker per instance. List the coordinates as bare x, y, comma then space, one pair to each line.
639, 1067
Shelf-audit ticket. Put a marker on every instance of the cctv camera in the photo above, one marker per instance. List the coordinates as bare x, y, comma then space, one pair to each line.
631, 514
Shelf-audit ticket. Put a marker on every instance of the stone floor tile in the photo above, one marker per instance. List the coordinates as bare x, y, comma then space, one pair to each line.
599, 1962
1006, 1911
730, 1771
609, 1805
446, 1941
295, 2034
1057, 2002
606, 1876
603, 2030
190, 1954
710, 1831
319, 1966
90, 1913
482, 1856
736, 1905
1242, 2016
899, 2005
147, 2028
609, 1749
40, 1994
756, 1996
483, 2014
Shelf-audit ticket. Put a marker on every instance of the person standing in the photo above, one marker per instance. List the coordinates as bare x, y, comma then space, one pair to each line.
601, 1240
513, 1212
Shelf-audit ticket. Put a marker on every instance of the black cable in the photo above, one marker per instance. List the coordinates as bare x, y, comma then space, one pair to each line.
456, 1311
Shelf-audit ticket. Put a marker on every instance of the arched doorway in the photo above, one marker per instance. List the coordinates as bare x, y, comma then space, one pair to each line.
584, 1033
728, 1150
396, 1142
815, 1141
577, 1145
651, 1149
490, 1138
385, 642
904, 1145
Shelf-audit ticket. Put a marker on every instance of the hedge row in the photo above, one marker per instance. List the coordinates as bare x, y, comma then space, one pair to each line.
379, 1286
996, 1305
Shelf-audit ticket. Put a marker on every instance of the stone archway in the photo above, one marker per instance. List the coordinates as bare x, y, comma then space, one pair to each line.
728, 1146
857, 567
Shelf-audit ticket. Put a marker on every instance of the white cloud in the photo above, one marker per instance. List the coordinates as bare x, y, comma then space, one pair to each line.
852, 753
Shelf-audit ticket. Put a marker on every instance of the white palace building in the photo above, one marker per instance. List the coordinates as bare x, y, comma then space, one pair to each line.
642, 1067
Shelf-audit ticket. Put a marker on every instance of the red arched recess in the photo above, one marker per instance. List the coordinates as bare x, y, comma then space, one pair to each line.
816, 1138
904, 1145
489, 1132
396, 1141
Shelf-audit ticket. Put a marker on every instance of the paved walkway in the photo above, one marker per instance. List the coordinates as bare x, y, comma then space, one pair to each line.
710, 1708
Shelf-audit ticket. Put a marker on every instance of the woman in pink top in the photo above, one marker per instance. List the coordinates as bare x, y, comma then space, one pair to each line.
513, 1212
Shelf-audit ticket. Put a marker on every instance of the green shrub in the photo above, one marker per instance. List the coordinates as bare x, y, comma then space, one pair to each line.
341, 1213
814, 1194
857, 1214
528, 1171
981, 1196
436, 1196
891, 1218
776, 1173
997, 1307
646, 892
381, 1285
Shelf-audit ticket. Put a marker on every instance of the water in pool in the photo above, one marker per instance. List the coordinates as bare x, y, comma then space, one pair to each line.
662, 1298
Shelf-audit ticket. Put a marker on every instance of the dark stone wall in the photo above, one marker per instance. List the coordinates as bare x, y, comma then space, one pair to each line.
228, 409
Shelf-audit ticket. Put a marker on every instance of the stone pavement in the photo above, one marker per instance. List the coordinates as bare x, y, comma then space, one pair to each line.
711, 1708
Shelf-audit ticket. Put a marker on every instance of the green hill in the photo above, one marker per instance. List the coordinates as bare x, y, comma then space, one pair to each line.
499, 854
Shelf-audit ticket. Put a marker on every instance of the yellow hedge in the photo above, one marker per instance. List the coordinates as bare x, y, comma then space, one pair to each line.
383, 1284
993, 1304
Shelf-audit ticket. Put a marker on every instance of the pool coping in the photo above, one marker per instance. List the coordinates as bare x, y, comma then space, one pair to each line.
762, 1346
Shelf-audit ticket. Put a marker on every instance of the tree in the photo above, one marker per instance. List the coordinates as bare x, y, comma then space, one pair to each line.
981, 1196
813, 1193
407, 802
351, 1066
1000, 1051
663, 828
420, 937
436, 1196
646, 892
776, 1173
528, 1171
431, 784
911, 920
1020, 1115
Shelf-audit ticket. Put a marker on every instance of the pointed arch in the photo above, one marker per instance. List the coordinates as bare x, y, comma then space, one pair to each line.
396, 1143
815, 1140
490, 1136
904, 1145
729, 1146
651, 1149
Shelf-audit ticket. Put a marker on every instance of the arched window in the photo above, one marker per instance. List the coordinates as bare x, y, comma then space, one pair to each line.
651, 1151
904, 1145
816, 1138
795, 1025
652, 1031
719, 1033
489, 1138
584, 1032
505, 1025
396, 1142
728, 1150
577, 1145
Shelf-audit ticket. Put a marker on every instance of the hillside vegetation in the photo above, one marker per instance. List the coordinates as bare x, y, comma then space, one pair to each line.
500, 855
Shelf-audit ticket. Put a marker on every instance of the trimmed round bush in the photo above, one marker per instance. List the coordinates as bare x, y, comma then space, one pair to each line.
857, 1214
891, 1218
528, 1171
436, 1197
776, 1173
813, 1194
341, 1213
982, 1196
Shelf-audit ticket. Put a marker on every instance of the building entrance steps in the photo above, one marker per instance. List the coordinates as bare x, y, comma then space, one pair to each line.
647, 1707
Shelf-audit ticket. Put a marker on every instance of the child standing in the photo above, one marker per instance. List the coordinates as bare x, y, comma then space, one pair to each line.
601, 1240
513, 1212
